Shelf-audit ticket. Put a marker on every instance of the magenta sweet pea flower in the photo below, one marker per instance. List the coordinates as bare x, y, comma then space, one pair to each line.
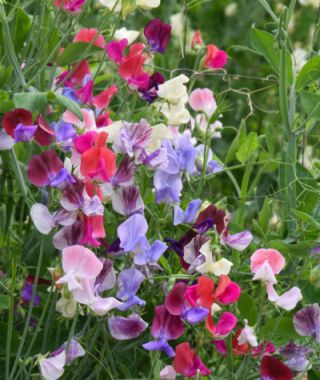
165, 326
73, 6
158, 35
187, 362
115, 50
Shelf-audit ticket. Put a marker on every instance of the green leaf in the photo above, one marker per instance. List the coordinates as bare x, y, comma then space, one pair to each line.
21, 29
264, 43
248, 147
76, 51
6, 104
240, 137
68, 103
4, 302
279, 330
32, 101
313, 375
311, 104
265, 215
248, 309
309, 73
307, 190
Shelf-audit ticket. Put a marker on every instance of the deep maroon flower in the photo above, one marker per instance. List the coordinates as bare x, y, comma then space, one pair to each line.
13, 118
273, 369
187, 362
150, 93
307, 321
158, 35
44, 168
165, 326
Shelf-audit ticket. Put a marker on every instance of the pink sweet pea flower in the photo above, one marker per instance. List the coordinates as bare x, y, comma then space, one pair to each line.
88, 35
104, 98
288, 300
52, 368
202, 100
187, 362
73, 6
115, 50
197, 40
93, 230
78, 263
273, 257
215, 58
88, 119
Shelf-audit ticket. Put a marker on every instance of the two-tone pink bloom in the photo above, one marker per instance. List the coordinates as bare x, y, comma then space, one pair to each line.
265, 264
215, 58
73, 6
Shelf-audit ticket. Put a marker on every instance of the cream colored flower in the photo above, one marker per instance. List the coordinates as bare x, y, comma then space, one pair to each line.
174, 90
110, 4
130, 35
67, 307
218, 268
148, 4
159, 133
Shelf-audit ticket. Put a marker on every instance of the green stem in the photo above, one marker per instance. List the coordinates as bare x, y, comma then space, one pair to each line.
244, 194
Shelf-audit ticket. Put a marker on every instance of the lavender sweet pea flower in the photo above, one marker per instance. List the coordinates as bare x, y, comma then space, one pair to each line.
212, 165
127, 201
24, 133
158, 35
296, 357
188, 216
6, 141
132, 137
62, 179
239, 241
125, 173
151, 254
129, 282
155, 160
64, 132
75, 351
168, 187
307, 321
186, 152
126, 328
165, 326
132, 232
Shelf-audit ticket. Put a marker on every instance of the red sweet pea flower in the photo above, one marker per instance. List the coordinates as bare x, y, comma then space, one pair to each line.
215, 58
44, 134
273, 369
104, 98
187, 362
196, 40
239, 349
88, 35
98, 162
13, 118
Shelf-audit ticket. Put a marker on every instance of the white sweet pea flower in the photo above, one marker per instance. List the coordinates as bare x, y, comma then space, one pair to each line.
247, 335
112, 130
176, 114
111, 4
130, 35
288, 300
67, 307
148, 4
177, 24
312, 3
265, 273
52, 368
159, 133
173, 90
218, 268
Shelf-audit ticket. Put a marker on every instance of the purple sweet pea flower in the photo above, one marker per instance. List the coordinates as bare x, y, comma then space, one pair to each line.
186, 152
165, 326
155, 160
129, 282
62, 178
26, 294
168, 187
69, 92
24, 133
68, 235
64, 132
75, 351
133, 137
151, 93
127, 201
158, 35
151, 254
296, 357
126, 328
124, 174
132, 232
307, 321
239, 241
188, 216
177, 304
106, 279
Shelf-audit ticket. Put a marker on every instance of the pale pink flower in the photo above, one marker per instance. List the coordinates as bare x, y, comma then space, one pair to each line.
288, 300
202, 100
53, 368
273, 257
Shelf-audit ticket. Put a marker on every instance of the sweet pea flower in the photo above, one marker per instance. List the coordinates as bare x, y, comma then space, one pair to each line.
307, 321
187, 362
98, 162
52, 368
114, 5
273, 369
165, 326
197, 40
168, 373
187, 216
6, 141
273, 257
78, 263
239, 241
158, 35
68, 235
247, 335
73, 6
75, 350
124, 33
67, 307
103, 99
129, 282
115, 49
89, 35
215, 58
287, 300
202, 100
148, 4
126, 328
295, 356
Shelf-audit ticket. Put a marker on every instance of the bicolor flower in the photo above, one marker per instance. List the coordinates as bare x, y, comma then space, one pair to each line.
165, 326
295, 356
75, 350
73, 6
197, 40
307, 321
158, 35
239, 241
187, 362
215, 58
202, 100
126, 328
